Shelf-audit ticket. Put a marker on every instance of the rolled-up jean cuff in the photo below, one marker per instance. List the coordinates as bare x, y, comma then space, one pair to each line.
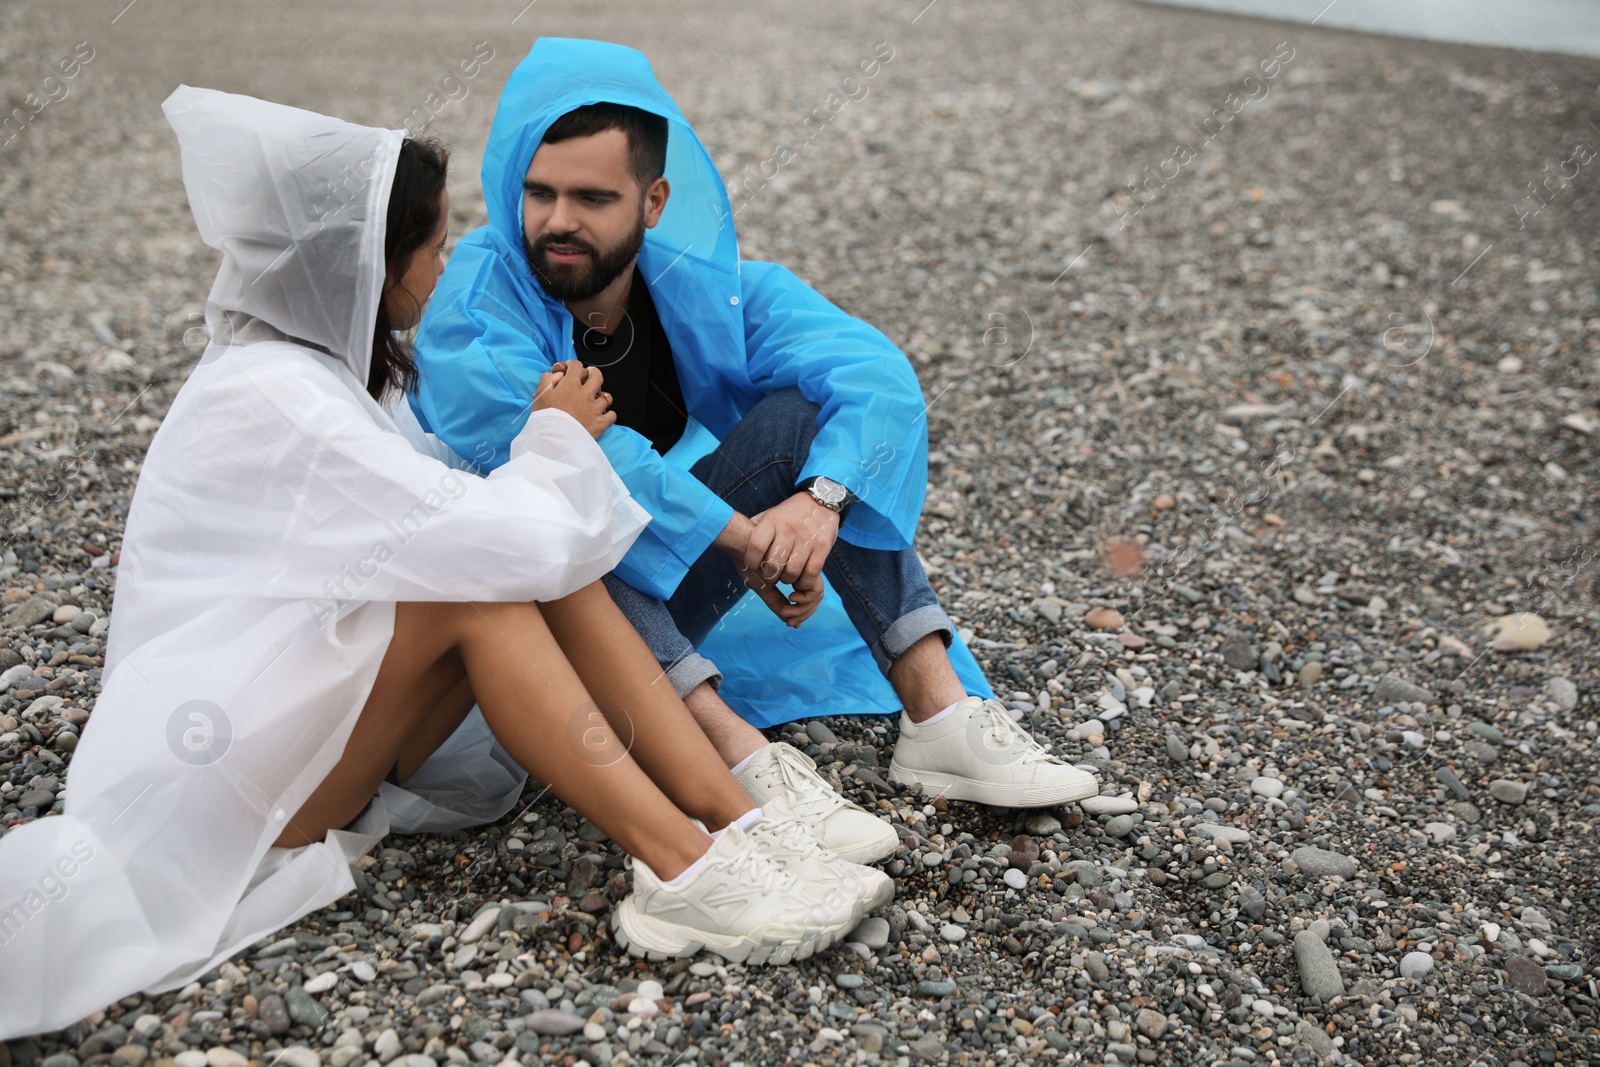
907, 630
687, 674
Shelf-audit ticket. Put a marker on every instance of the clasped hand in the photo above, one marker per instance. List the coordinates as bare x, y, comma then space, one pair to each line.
787, 543
575, 389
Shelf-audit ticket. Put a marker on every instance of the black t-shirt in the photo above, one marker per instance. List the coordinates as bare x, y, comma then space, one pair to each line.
636, 360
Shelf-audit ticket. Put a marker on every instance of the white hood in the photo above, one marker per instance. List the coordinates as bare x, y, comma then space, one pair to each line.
296, 203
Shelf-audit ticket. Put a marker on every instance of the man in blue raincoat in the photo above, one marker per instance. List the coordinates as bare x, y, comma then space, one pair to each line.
773, 438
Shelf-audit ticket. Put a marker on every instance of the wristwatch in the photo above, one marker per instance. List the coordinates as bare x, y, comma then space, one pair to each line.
830, 494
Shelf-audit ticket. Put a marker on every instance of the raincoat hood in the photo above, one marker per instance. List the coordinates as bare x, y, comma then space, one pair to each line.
561, 74
296, 203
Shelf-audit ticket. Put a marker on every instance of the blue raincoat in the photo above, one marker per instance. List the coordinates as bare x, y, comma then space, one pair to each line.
738, 330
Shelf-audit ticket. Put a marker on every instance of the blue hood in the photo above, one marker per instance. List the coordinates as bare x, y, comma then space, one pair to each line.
561, 74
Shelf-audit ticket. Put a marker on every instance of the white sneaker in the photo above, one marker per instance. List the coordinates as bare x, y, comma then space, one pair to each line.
742, 905
978, 753
793, 841
854, 833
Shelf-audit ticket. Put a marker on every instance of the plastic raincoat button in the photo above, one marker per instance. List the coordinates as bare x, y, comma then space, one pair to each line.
733, 300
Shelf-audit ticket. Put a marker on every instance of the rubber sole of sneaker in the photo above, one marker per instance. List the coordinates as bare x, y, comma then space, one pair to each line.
655, 940
955, 787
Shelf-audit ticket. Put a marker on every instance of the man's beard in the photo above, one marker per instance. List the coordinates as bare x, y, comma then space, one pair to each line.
571, 282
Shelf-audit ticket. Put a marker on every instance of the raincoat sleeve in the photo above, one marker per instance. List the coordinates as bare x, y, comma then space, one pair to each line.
481, 361
335, 508
874, 431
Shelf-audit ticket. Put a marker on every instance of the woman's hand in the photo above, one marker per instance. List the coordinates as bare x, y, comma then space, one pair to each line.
575, 389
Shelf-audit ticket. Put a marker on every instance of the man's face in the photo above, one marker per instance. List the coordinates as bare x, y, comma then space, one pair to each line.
584, 215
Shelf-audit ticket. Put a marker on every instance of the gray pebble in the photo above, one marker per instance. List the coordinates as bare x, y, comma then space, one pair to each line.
1089, 874
818, 731
1040, 823
1320, 863
1487, 732
1239, 652
553, 1022
1563, 692
1120, 825
1177, 751
30, 612
1393, 689
1319, 973
1507, 791
1453, 783
1415, 964
873, 932
1524, 974
1150, 1023
303, 1007
274, 1013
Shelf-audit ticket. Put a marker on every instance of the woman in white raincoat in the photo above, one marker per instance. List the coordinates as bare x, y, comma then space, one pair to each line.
307, 605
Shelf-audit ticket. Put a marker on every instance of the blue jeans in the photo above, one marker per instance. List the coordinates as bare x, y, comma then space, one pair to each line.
886, 594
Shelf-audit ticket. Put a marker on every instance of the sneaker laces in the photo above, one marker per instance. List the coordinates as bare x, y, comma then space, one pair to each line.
782, 824
1003, 729
813, 798
760, 870
794, 840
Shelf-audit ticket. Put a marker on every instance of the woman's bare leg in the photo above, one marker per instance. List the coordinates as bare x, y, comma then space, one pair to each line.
532, 700
643, 708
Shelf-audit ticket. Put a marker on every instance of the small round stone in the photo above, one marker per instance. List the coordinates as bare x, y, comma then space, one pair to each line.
1271, 788
1415, 964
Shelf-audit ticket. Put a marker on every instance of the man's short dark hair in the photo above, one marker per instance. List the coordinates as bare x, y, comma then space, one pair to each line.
647, 135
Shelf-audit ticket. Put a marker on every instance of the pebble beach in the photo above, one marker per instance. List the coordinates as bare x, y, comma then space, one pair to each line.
1263, 372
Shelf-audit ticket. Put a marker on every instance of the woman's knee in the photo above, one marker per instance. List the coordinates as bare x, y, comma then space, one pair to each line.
459, 621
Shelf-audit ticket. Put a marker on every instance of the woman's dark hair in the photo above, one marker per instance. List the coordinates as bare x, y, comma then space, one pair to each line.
413, 218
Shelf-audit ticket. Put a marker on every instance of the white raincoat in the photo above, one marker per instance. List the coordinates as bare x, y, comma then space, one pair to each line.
279, 517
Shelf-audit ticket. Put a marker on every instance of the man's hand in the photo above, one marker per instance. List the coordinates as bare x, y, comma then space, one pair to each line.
803, 601
791, 540
817, 533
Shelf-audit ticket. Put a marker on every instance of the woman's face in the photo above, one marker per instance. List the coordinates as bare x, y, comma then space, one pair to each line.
405, 297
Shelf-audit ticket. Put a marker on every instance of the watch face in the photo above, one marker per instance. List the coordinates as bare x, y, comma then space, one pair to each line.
828, 491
